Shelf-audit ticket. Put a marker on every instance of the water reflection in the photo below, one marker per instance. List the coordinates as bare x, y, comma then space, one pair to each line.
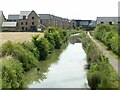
65, 70
33, 76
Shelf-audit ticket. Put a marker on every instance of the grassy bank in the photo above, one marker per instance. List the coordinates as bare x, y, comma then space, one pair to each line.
19, 58
100, 72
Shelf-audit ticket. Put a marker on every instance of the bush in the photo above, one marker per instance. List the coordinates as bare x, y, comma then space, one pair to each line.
109, 36
13, 76
42, 45
24, 56
50, 38
58, 40
32, 48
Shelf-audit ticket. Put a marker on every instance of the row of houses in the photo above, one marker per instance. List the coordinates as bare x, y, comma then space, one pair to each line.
31, 21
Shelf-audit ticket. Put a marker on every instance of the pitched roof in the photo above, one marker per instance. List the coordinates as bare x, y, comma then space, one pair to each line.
13, 17
24, 13
44, 16
9, 24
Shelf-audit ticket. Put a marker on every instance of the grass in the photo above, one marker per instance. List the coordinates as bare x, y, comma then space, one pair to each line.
17, 36
110, 51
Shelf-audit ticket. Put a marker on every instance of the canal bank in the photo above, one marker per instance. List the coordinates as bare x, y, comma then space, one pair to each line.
100, 72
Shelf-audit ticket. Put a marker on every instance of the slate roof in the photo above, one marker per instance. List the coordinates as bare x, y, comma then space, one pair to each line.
44, 16
13, 17
9, 24
24, 13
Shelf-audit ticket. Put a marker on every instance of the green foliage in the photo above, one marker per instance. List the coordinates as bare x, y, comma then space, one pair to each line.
50, 38
32, 48
43, 47
24, 56
58, 40
12, 77
109, 36
101, 73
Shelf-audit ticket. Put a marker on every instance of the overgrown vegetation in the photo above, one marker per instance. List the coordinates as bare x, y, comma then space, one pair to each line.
109, 36
100, 73
21, 57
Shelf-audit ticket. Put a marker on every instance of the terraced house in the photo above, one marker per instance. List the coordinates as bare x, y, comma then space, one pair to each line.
55, 21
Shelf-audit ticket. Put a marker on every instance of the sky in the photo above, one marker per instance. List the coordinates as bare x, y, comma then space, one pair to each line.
71, 9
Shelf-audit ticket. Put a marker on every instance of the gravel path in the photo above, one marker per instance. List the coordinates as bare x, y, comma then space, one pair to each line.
113, 61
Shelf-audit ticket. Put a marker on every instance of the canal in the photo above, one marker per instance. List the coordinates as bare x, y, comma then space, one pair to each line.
63, 69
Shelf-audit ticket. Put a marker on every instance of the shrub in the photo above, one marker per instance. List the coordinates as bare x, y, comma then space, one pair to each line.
24, 56
109, 36
12, 77
43, 46
32, 48
58, 40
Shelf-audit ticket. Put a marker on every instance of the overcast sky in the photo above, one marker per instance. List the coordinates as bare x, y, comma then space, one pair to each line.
71, 9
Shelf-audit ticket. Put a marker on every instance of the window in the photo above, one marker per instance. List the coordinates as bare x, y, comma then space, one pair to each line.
26, 28
32, 23
110, 23
24, 17
32, 17
102, 22
21, 23
26, 23
118, 22
22, 28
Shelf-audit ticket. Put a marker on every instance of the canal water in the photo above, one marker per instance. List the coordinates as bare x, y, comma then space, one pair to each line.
65, 69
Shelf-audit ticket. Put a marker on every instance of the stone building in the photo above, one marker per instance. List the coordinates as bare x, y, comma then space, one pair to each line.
54, 21
26, 20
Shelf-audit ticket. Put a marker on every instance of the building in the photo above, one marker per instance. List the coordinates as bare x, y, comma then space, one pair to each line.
26, 20
2, 19
13, 18
31, 21
76, 24
9, 26
73, 24
46, 19
108, 20
54, 21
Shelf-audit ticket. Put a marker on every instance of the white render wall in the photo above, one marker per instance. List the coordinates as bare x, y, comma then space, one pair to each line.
106, 20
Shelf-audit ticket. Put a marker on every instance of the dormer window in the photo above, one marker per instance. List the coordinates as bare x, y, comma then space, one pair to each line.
24, 17
32, 17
